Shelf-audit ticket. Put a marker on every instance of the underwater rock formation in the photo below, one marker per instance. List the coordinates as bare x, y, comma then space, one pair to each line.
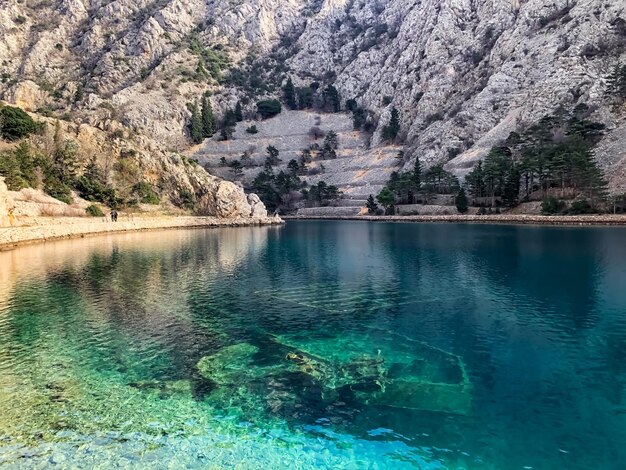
395, 372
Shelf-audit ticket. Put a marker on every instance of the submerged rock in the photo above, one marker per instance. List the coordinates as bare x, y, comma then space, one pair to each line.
385, 370
364, 369
230, 365
164, 389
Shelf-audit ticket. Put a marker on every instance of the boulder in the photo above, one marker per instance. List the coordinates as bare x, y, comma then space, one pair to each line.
230, 365
258, 209
230, 201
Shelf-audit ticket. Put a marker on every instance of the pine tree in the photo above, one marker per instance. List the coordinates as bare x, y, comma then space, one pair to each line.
330, 146
306, 96
416, 175
57, 139
617, 81
390, 131
238, 112
476, 181
65, 164
273, 153
371, 205
332, 100
387, 199
461, 201
196, 129
208, 120
510, 192
293, 167
289, 94
230, 118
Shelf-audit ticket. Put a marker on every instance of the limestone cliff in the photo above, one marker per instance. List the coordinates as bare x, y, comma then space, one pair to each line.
462, 73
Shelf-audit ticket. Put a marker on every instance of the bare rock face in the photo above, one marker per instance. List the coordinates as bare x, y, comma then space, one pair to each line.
462, 73
27, 95
228, 201
5, 204
257, 208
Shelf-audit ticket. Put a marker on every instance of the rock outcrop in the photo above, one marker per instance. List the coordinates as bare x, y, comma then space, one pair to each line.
127, 160
462, 73
227, 201
5, 204
358, 170
257, 208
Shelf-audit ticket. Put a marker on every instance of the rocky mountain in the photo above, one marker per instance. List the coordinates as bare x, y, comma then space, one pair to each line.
462, 73
128, 168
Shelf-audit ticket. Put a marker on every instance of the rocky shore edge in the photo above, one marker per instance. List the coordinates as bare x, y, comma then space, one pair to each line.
48, 229
565, 220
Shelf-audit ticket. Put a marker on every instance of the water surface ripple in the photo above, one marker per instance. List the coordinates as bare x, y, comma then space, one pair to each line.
317, 345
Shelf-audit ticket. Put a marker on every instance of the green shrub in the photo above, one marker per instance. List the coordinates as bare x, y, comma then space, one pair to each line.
252, 130
57, 189
146, 193
19, 168
551, 205
461, 201
186, 199
95, 190
268, 108
127, 167
94, 211
15, 123
387, 199
580, 206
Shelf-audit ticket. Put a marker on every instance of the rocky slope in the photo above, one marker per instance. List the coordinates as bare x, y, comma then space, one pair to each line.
358, 171
463, 73
124, 161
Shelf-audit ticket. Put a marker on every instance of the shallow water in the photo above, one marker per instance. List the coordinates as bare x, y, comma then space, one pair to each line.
317, 345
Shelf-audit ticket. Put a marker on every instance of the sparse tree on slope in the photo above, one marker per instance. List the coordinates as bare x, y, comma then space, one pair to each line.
208, 120
390, 131
332, 100
238, 112
371, 205
272, 155
416, 176
289, 94
196, 128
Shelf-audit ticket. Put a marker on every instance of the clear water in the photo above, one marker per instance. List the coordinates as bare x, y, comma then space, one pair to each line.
171, 350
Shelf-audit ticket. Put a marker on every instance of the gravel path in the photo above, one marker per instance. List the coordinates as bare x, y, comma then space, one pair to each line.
49, 228
605, 219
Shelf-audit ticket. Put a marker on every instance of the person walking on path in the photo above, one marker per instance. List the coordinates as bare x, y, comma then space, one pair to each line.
113, 215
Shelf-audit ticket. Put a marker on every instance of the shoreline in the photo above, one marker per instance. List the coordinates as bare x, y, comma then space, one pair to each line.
44, 229
518, 219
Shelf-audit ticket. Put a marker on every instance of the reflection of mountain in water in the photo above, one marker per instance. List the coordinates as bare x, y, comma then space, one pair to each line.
96, 331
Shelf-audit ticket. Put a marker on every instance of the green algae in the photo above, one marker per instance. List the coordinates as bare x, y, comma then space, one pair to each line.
230, 365
377, 369
386, 369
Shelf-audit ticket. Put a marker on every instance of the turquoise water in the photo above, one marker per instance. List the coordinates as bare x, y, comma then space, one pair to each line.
317, 345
